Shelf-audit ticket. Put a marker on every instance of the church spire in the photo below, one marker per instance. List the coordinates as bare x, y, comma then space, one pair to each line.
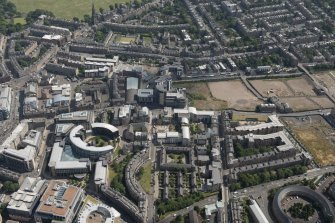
93, 16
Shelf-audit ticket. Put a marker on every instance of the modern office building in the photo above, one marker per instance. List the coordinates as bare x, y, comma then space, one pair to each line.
25, 200
59, 203
63, 162
80, 144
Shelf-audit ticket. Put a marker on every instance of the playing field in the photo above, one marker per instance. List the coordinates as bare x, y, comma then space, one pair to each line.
66, 9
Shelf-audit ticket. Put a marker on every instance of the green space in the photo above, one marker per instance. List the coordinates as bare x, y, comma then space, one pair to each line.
27, 61
64, 8
249, 117
145, 177
125, 39
10, 187
195, 128
147, 40
80, 182
177, 158
163, 207
240, 151
117, 181
20, 20
90, 199
299, 210
252, 179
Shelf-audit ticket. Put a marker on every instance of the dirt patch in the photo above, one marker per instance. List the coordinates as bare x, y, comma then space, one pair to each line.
301, 103
269, 87
323, 102
200, 96
316, 135
301, 87
327, 80
235, 93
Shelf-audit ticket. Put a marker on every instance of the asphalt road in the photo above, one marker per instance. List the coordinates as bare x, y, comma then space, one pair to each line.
260, 192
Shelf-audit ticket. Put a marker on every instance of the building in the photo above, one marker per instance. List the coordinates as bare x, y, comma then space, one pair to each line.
25, 200
19, 150
83, 118
101, 174
60, 202
145, 96
92, 150
91, 210
22, 160
256, 213
64, 162
5, 101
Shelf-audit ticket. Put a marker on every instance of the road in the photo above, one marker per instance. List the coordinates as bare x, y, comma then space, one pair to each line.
293, 114
260, 192
200, 204
279, 183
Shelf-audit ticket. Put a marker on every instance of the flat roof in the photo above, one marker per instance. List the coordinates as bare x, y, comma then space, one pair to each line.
58, 199
79, 143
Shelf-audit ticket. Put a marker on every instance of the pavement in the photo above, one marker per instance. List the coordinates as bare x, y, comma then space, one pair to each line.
260, 192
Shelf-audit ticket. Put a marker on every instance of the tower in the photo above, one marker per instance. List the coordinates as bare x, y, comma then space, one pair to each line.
93, 17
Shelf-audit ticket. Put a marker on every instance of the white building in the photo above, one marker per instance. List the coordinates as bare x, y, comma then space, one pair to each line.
24, 201
5, 101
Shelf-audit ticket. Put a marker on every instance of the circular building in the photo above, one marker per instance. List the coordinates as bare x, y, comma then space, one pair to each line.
95, 142
95, 213
314, 197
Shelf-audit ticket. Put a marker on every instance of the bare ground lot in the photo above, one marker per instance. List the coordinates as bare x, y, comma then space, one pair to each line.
316, 135
301, 103
327, 79
235, 93
277, 87
297, 92
301, 87
203, 99
323, 102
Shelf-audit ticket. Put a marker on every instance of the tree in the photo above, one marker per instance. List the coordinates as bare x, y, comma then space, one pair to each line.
111, 7
137, 4
101, 10
116, 6
235, 186
33, 15
87, 18
10, 187
76, 19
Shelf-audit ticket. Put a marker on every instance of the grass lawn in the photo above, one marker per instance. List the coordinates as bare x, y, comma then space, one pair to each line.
124, 40
147, 40
244, 117
145, 179
20, 20
111, 174
91, 199
66, 9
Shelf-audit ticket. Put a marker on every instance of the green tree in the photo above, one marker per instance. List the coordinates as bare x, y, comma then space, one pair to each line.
87, 18
33, 15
